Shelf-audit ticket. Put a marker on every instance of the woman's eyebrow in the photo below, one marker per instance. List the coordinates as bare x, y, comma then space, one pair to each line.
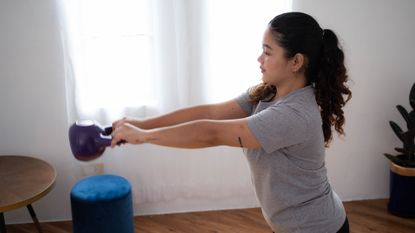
266, 46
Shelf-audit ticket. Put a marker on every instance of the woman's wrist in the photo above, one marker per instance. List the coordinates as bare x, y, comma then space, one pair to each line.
137, 123
148, 135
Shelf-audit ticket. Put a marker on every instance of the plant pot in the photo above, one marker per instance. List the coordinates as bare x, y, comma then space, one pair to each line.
402, 191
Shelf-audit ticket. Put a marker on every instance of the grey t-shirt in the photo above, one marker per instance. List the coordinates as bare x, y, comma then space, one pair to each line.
288, 171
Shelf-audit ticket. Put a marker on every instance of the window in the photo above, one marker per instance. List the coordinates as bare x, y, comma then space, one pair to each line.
114, 59
113, 44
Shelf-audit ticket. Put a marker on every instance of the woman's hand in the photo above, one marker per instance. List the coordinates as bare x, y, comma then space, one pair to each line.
130, 120
125, 132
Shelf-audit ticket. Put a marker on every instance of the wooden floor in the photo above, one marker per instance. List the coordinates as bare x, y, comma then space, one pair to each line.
364, 216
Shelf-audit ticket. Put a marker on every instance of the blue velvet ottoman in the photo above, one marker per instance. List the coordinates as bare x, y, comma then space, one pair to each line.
102, 204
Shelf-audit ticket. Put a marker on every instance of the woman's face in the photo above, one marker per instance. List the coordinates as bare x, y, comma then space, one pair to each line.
274, 65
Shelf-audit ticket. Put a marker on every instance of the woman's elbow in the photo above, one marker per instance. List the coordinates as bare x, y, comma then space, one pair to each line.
209, 135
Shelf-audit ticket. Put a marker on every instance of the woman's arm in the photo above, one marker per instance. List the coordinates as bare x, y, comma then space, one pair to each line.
194, 134
220, 111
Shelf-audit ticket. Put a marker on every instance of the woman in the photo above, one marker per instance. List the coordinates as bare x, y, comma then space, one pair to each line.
284, 124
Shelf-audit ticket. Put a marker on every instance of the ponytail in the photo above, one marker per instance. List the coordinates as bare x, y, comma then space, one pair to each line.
330, 86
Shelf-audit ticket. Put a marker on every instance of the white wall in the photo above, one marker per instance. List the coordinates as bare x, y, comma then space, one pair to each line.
32, 97
377, 37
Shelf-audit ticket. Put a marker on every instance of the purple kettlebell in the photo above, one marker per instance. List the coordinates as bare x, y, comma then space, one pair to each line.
88, 139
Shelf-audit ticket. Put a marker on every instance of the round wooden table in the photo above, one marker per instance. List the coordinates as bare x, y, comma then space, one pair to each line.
23, 180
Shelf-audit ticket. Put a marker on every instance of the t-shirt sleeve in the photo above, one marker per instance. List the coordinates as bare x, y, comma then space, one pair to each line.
277, 127
244, 101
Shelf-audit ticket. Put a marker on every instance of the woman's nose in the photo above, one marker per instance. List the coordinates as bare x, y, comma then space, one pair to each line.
260, 59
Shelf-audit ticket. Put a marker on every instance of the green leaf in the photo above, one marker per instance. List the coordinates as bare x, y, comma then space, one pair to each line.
394, 159
399, 161
412, 96
405, 116
412, 117
401, 150
398, 131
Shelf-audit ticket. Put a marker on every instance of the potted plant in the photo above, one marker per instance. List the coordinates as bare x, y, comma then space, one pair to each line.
402, 166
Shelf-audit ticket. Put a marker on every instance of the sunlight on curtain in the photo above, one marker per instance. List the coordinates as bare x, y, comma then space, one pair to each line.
112, 54
163, 54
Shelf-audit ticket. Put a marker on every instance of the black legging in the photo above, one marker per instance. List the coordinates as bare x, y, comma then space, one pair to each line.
344, 228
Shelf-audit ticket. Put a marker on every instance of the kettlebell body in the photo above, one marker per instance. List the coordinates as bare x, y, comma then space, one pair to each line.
88, 139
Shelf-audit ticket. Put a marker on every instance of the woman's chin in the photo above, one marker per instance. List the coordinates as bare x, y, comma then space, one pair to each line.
269, 80
265, 79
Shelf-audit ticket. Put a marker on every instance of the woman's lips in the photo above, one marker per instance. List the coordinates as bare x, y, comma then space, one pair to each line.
262, 70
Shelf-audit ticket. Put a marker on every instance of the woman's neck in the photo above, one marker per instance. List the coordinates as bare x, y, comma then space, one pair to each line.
285, 88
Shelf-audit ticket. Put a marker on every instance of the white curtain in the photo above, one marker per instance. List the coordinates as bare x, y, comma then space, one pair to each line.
173, 53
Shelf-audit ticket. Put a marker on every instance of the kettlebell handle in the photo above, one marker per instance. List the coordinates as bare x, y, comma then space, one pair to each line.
106, 135
107, 130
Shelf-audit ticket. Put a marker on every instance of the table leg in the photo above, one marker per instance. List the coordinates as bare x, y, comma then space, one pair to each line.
34, 218
2, 224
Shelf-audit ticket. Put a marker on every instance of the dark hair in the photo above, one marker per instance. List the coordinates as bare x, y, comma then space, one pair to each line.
298, 32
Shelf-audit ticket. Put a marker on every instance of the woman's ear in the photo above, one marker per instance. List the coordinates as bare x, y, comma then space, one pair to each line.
297, 63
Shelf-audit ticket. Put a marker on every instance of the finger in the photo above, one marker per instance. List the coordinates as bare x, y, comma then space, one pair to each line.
117, 123
114, 142
122, 141
115, 138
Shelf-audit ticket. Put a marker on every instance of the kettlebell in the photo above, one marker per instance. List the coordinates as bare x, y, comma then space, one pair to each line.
88, 139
